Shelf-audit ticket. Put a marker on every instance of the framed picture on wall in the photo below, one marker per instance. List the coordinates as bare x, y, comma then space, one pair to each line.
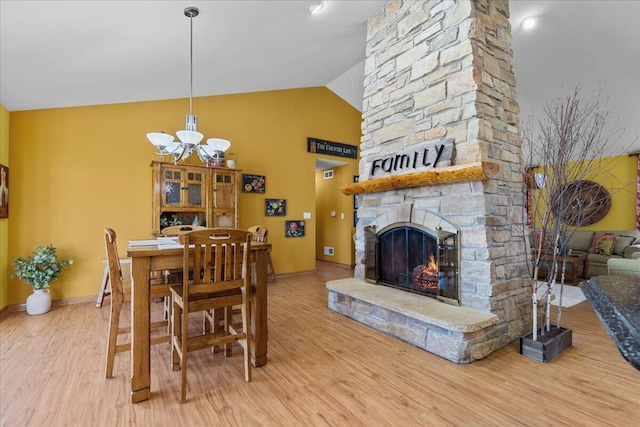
294, 228
275, 207
254, 183
4, 191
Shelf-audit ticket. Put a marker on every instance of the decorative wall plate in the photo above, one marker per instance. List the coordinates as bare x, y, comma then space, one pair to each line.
581, 203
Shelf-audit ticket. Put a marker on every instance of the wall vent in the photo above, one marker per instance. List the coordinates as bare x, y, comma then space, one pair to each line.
328, 174
328, 250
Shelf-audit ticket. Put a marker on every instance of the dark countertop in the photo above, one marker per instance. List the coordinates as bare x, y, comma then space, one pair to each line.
616, 301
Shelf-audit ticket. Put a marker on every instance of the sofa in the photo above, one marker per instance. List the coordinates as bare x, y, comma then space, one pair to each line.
625, 266
602, 246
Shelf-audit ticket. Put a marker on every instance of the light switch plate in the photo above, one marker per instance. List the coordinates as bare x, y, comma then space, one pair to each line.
306, 215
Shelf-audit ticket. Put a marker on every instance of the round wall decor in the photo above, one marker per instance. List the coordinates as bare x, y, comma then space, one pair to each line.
581, 203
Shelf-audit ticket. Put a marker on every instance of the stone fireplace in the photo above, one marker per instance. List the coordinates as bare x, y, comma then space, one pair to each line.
439, 71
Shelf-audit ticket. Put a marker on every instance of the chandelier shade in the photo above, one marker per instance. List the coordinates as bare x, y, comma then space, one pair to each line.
189, 138
159, 139
218, 144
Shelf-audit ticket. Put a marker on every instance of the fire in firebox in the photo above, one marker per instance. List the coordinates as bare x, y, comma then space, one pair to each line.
425, 276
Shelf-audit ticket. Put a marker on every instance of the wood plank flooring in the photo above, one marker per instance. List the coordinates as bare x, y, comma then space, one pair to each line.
324, 370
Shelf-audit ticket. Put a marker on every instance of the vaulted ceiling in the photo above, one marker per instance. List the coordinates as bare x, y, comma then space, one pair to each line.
73, 53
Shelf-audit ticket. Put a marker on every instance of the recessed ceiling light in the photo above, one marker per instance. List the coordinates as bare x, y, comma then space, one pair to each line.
316, 7
528, 23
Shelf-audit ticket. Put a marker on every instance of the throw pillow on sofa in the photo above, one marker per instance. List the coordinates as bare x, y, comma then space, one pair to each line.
621, 243
602, 245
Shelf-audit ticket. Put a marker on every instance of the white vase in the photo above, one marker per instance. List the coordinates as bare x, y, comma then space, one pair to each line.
39, 302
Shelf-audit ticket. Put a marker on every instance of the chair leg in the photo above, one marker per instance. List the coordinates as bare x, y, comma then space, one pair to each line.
208, 325
271, 272
214, 318
207, 321
103, 292
114, 321
166, 312
176, 329
247, 345
183, 360
228, 316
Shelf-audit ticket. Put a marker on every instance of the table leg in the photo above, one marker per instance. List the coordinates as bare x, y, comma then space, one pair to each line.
259, 309
140, 333
585, 267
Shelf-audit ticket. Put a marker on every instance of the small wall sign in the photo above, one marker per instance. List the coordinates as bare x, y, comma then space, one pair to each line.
315, 145
426, 156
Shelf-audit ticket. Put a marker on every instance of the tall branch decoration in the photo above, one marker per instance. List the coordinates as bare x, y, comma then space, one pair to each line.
565, 147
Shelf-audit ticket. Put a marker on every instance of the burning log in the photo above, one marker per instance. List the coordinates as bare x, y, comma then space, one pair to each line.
425, 276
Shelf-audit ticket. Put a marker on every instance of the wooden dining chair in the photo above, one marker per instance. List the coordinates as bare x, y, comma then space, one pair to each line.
121, 293
219, 288
213, 319
259, 233
175, 275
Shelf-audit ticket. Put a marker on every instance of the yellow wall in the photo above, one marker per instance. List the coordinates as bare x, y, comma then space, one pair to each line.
4, 223
618, 176
332, 229
76, 170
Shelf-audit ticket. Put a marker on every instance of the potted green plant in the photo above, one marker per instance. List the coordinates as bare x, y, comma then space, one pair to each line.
38, 271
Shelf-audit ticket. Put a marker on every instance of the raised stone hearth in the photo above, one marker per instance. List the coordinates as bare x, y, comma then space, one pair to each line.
455, 333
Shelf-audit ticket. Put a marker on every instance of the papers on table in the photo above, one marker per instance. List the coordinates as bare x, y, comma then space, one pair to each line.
170, 246
161, 242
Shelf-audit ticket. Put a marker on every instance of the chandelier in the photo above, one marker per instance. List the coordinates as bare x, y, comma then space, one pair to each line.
211, 154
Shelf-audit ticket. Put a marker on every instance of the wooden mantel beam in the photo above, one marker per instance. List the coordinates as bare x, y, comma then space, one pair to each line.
479, 171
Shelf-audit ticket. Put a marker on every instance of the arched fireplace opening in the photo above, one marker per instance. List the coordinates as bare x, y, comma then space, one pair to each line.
413, 258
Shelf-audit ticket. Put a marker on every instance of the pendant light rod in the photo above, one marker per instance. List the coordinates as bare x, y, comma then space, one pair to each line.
192, 121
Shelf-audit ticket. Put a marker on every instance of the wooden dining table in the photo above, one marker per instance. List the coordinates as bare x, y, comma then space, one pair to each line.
147, 259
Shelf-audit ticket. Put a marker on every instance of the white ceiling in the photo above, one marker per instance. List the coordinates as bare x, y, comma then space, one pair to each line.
593, 44
73, 53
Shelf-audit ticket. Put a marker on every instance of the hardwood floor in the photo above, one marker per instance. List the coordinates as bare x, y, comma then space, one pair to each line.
324, 370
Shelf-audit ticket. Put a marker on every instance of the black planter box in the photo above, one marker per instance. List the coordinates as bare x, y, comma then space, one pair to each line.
548, 346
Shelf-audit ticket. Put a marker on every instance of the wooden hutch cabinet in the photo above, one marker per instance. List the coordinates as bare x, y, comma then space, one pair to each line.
184, 194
